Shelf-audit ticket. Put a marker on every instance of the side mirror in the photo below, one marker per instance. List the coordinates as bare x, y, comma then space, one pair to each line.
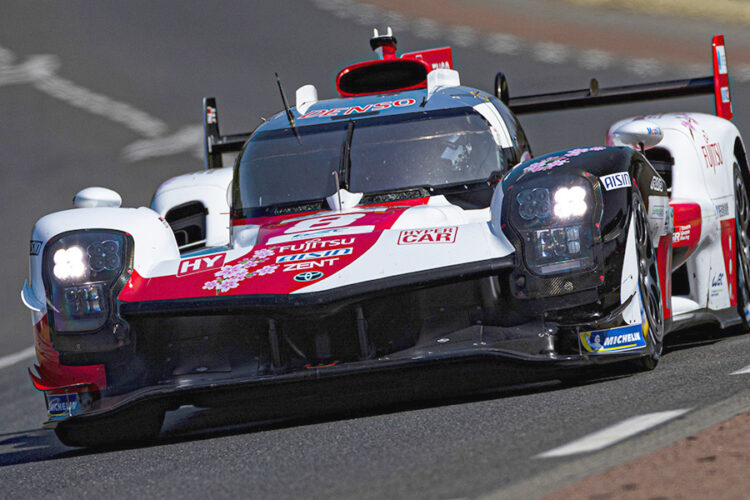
638, 134
501, 88
92, 197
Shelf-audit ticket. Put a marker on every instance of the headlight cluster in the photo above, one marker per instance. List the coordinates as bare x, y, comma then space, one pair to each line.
81, 268
556, 224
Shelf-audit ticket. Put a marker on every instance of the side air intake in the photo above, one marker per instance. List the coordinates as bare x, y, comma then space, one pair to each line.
188, 222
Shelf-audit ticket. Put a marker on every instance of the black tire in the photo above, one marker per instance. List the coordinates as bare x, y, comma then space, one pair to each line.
742, 244
124, 428
648, 282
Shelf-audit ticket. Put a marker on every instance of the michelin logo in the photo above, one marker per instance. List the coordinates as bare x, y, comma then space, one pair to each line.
63, 405
625, 338
615, 181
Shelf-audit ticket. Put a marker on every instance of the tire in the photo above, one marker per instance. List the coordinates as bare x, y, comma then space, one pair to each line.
742, 244
124, 428
648, 283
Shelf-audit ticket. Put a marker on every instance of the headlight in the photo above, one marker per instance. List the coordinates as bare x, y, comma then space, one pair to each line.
81, 273
570, 202
69, 263
554, 218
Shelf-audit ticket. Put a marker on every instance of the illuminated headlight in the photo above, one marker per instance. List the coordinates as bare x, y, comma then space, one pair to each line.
82, 268
570, 202
555, 221
69, 263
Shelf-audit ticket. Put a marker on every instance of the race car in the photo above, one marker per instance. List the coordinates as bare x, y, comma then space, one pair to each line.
398, 239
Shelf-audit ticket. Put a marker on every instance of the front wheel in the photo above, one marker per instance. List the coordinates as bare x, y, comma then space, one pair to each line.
125, 428
648, 285
742, 221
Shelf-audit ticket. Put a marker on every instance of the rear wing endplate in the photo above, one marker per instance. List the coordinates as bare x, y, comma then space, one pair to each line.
214, 143
717, 84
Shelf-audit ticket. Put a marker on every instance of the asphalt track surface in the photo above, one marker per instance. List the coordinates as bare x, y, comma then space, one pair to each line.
118, 105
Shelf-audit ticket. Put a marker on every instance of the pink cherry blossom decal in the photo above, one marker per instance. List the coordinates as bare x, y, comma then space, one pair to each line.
559, 160
231, 275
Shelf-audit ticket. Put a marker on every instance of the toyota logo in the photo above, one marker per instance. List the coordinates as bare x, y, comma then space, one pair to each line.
308, 276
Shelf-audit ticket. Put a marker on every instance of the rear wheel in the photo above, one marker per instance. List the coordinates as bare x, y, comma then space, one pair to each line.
648, 284
742, 221
124, 428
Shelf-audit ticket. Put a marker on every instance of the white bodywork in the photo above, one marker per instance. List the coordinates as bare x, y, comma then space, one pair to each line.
702, 147
151, 234
705, 179
209, 187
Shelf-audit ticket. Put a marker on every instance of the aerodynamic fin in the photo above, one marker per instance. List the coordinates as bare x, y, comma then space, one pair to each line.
717, 84
214, 143
211, 132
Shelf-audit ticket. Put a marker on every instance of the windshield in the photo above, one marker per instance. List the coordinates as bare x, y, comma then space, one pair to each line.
392, 153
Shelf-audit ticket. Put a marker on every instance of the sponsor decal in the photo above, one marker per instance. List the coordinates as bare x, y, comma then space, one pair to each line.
657, 207
725, 94
337, 217
557, 160
721, 58
658, 184
339, 231
718, 280
615, 181
434, 235
63, 405
320, 254
316, 244
230, 276
35, 247
657, 211
308, 276
681, 233
210, 114
199, 264
354, 110
311, 264
722, 210
624, 338
712, 155
325, 222
717, 285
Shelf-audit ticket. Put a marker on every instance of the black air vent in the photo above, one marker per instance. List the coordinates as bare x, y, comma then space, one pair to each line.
188, 222
662, 162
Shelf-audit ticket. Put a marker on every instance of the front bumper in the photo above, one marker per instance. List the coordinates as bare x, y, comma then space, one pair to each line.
452, 330
470, 360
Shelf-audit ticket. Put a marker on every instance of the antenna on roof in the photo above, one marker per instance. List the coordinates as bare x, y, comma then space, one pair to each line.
289, 114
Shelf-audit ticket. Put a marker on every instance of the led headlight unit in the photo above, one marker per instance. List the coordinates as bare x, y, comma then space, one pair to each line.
554, 218
570, 202
69, 263
82, 269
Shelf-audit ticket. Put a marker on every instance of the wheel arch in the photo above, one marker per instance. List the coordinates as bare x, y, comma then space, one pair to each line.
741, 156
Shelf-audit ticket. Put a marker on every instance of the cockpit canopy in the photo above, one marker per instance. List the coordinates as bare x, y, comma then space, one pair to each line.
401, 155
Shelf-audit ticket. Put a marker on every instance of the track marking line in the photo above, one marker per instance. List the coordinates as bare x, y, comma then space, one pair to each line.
39, 71
613, 434
12, 359
742, 371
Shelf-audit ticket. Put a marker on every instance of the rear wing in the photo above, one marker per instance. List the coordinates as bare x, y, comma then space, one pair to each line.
216, 144
717, 84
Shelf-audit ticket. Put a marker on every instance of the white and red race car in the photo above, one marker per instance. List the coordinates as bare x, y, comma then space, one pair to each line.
385, 241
